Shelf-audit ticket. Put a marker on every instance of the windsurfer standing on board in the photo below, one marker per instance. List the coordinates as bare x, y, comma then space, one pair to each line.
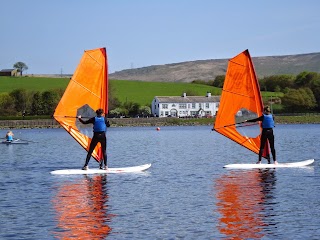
100, 125
267, 120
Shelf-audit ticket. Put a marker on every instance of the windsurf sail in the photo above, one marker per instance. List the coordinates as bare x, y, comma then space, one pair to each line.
86, 92
241, 100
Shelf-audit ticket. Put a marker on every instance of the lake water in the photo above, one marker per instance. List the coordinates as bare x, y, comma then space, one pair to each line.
186, 194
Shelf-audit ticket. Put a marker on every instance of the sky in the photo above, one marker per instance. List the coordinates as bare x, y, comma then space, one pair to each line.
50, 36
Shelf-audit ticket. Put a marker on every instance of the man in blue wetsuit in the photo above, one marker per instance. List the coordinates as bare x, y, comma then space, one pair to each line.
267, 120
100, 125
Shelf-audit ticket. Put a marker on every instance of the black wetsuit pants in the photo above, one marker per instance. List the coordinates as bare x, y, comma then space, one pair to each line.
267, 134
98, 137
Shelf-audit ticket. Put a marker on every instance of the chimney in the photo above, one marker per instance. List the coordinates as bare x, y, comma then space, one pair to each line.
208, 94
184, 95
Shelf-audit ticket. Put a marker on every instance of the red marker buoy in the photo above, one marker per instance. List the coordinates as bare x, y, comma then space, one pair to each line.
158, 129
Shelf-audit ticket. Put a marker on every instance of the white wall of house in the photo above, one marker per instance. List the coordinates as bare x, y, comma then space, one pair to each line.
182, 108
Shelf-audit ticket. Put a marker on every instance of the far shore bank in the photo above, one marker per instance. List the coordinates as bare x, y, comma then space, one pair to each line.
145, 122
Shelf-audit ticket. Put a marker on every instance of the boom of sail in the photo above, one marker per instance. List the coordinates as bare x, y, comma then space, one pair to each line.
86, 92
240, 100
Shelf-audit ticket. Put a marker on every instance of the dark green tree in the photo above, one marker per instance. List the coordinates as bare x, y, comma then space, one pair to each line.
36, 104
305, 79
49, 101
276, 83
132, 108
299, 100
21, 66
219, 81
7, 105
20, 99
145, 111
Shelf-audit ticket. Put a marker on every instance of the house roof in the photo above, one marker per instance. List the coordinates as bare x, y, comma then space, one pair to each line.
188, 99
7, 70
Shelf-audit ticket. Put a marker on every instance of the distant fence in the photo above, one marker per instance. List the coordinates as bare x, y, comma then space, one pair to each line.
298, 114
51, 123
37, 123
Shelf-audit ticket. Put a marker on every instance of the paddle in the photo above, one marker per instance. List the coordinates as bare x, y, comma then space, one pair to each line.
26, 140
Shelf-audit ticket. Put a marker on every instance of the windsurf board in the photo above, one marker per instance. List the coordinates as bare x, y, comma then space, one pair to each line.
100, 171
263, 165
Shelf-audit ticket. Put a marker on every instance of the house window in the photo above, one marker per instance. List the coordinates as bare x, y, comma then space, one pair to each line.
165, 106
173, 105
182, 105
207, 105
193, 105
193, 113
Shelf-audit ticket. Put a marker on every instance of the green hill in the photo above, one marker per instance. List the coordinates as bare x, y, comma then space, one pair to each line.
208, 69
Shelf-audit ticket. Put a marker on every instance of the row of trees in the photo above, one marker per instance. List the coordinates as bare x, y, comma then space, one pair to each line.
300, 93
20, 102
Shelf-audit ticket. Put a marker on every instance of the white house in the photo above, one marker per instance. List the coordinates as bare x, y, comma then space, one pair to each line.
185, 106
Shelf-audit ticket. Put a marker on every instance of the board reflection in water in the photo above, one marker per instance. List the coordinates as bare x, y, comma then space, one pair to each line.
245, 201
82, 209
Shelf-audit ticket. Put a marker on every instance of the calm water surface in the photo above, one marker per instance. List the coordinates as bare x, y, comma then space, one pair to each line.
186, 194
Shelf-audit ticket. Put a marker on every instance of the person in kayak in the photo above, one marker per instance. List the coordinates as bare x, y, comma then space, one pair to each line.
100, 124
9, 136
267, 121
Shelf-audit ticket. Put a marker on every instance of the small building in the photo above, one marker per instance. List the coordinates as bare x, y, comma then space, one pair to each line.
185, 106
9, 72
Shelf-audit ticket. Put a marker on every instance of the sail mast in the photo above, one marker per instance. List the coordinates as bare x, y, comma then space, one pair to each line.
240, 96
86, 92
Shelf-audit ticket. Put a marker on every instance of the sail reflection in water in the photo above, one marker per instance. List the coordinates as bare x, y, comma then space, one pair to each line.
245, 201
81, 209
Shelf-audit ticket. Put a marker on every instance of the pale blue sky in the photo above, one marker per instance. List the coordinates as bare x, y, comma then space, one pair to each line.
51, 35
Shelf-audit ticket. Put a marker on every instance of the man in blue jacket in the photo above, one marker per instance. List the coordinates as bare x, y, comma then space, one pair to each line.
267, 120
100, 124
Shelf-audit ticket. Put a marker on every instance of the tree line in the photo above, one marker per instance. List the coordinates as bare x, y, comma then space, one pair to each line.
301, 93
21, 102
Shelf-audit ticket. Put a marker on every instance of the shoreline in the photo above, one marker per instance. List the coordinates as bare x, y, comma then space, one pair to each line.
153, 122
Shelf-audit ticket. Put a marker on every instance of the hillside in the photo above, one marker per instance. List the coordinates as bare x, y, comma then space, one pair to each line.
209, 69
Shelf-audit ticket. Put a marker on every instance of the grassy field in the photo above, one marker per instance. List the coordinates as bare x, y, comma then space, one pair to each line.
126, 91
7, 84
144, 92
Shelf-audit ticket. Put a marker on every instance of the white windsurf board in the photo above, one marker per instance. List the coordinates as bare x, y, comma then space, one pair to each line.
100, 171
264, 165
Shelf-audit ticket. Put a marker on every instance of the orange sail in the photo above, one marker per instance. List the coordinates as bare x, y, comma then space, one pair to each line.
86, 92
240, 100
